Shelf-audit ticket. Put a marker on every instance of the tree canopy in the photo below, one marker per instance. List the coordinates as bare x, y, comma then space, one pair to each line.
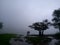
56, 18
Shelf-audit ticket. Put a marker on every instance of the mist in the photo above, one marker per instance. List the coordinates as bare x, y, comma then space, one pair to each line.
17, 15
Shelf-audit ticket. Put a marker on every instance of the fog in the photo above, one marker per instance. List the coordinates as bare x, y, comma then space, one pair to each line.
17, 15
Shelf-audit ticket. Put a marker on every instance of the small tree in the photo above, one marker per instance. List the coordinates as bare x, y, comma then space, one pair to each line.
28, 32
56, 19
40, 26
1, 25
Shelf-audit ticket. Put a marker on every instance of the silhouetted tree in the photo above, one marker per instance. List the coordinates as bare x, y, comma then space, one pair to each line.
28, 32
40, 26
1, 25
56, 19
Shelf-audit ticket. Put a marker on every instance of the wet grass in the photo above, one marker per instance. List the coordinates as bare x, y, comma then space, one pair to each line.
4, 38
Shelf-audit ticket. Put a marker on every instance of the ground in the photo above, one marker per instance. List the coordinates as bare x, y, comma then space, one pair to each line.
38, 40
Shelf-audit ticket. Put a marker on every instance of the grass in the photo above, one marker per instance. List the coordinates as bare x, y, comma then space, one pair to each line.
4, 38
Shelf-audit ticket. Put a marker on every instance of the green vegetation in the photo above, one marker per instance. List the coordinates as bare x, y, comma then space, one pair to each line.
4, 38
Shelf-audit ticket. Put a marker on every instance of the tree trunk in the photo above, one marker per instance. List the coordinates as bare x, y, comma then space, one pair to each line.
40, 33
59, 29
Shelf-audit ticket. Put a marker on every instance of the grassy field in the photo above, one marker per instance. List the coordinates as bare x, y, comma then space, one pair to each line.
4, 38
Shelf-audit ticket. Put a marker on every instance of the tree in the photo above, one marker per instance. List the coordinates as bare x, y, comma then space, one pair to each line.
28, 32
1, 25
56, 19
40, 26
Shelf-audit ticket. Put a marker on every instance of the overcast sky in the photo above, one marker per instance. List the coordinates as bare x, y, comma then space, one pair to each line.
17, 15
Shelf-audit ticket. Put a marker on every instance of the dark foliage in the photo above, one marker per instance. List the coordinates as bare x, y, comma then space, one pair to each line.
56, 19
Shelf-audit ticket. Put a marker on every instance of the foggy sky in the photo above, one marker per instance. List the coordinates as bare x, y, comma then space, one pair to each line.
17, 15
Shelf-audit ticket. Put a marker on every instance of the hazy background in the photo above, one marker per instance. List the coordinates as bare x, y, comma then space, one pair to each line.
17, 15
